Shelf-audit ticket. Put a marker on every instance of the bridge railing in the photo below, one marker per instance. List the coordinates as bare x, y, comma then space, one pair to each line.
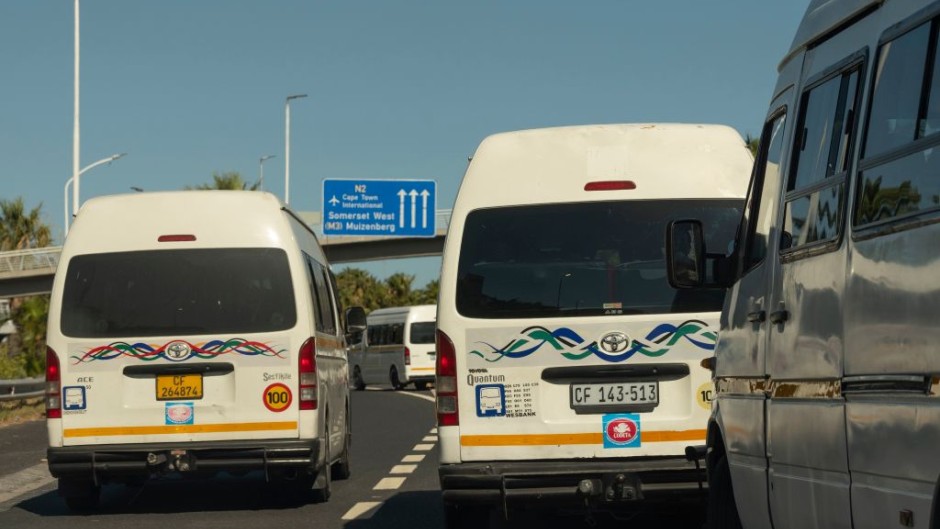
29, 260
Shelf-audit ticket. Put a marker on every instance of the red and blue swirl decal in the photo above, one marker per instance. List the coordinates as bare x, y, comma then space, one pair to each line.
204, 351
570, 345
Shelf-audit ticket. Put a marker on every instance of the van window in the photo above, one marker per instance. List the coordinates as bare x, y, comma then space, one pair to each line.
168, 292
758, 214
591, 258
422, 332
900, 183
815, 198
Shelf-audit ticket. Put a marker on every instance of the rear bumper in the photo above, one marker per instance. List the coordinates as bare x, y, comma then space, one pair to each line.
101, 462
612, 481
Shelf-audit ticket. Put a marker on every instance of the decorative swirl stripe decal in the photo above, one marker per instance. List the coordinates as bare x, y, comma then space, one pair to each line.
206, 350
572, 346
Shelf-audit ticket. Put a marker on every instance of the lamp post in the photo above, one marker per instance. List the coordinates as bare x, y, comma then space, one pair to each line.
76, 174
261, 170
287, 145
68, 182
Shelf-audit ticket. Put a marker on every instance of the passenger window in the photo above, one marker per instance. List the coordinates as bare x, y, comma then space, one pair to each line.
326, 300
314, 293
815, 197
894, 181
758, 217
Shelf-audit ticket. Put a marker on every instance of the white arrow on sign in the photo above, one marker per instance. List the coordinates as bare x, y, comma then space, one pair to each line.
414, 201
424, 208
334, 201
401, 208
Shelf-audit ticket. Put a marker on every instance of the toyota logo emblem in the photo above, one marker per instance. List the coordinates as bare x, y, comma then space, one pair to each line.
177, 351
615, 342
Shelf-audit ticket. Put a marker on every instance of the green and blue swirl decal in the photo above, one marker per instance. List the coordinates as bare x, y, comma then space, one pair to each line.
202, 351
572, 346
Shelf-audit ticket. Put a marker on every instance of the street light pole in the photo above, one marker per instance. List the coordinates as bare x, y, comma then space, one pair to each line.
261, 170
287, 145
76, 174
68, 182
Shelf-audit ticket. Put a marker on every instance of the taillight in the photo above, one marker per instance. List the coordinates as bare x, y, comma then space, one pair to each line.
53, 385
176, 238
407, 356
308, 374
446, 371
610, 185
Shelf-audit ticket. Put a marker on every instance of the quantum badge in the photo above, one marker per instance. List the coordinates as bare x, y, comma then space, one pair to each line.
179, 413
622, 430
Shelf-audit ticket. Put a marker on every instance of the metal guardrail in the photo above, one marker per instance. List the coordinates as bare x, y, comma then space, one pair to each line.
24, 388
19, 261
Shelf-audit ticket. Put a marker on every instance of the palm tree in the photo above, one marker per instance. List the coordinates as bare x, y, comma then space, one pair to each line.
230, 180
20, 230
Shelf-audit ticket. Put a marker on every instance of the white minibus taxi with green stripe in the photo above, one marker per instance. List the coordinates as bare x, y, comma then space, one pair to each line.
568, 369
195, 332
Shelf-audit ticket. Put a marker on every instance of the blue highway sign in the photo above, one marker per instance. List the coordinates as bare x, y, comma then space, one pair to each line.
391, 208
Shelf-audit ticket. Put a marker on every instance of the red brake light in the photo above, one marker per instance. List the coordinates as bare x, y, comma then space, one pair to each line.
53, 385
308, 374
446, 371
610, 185
176, 238
407, 357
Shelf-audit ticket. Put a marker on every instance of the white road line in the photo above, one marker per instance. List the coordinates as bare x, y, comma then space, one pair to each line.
433, 430
389, 484
413, 458
423, 447
403, 469
360, 508
429, 439
417, 395
19, 483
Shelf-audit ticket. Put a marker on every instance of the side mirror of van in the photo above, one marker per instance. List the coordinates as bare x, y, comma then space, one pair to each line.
355, 321
685, 254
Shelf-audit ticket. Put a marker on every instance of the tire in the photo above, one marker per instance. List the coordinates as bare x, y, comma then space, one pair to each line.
80, 495
466, 517
421, 385
322, 484
341, 470
722, 511
393, 378
358, 383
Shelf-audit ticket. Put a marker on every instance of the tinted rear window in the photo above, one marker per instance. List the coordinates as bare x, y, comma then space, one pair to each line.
171, 292
596, 258
422, 332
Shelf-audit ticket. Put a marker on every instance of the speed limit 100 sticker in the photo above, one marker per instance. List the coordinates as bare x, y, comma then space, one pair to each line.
277, 397
705, 394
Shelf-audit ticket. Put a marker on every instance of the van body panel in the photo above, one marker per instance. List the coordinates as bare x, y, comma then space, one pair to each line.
195, 340
842, 417
553, 289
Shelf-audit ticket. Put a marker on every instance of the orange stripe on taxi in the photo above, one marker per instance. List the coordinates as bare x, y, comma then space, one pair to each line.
575, 438
176, 429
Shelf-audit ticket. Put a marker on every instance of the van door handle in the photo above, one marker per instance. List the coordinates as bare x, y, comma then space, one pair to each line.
779, 316
757, 316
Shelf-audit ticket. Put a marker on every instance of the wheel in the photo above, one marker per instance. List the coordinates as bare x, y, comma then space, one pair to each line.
322, 484
358, 383
393, 378
80, 495
466, 517
340, 470
421, 385
722, 511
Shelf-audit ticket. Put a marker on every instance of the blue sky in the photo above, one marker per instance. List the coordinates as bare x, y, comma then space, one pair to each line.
397, 89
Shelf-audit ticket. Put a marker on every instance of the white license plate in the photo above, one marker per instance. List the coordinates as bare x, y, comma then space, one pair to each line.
614, 394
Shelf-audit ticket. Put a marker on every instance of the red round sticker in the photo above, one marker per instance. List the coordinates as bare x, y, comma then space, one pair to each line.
277, 397
621, 431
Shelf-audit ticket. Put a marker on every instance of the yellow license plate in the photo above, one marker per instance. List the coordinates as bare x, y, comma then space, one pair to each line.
176, 387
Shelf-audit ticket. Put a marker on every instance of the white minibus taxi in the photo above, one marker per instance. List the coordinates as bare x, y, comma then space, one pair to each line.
828, 367
397, 348
195, 332
567, 367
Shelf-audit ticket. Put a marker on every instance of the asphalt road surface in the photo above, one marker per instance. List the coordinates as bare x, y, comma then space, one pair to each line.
394, 485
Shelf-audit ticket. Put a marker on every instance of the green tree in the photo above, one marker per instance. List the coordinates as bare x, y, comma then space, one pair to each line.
230, 180
30, 318
753, 144
20, 229
428, 294
398, 290
359, 288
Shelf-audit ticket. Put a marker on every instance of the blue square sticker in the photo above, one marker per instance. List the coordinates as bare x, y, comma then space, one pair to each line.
621, 430
491, 400
179, 413
73, 398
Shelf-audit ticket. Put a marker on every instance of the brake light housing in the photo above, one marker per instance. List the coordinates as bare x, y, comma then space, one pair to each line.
53, 385
307, 373
445, 369
610, 185
407, 356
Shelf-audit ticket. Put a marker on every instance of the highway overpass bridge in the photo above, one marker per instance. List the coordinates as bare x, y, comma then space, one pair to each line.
30, 272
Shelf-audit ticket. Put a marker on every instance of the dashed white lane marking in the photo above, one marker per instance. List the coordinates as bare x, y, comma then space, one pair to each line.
19, 483
429, 439
403, 469
389, 484
423, 447
413, 458
433, 430
417, 395
360, 508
